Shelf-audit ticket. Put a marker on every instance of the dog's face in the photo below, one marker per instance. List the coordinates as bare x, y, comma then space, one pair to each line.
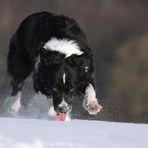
61, 79
63, 93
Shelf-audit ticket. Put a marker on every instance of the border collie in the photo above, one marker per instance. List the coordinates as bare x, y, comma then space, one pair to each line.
55, 51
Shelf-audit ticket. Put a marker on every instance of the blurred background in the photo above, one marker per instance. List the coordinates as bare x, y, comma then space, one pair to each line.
117, 32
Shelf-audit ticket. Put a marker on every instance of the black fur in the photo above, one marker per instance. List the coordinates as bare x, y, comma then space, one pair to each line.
27, 44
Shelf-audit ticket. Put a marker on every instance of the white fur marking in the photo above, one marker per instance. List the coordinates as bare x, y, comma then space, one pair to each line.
90, 93
12, 104
64, 78
65, 46
52, 112
90, 102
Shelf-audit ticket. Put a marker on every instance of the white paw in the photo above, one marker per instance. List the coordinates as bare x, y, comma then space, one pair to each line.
90, 102
93, 107
12, 104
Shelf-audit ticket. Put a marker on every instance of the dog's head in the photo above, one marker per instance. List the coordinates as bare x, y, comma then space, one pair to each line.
59, 80
63, 93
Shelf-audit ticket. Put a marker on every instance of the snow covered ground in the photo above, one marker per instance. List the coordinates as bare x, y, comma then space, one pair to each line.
34, 133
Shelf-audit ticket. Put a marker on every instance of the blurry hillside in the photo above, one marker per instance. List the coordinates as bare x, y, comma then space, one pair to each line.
117, 32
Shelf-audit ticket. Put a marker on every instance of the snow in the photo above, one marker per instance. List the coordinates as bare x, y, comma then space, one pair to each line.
35, 133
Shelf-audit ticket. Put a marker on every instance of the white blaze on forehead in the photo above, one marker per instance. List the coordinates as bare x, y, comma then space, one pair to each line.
64, 78
64, 46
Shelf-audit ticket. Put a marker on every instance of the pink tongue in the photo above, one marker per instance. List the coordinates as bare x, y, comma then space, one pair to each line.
60, 117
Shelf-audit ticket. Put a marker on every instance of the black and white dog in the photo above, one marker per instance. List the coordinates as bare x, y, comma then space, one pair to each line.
54, 50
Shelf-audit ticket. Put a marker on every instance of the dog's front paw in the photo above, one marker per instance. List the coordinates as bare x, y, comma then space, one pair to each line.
93, 107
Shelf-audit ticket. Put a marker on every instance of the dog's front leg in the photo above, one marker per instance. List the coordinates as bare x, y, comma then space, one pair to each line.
90, 102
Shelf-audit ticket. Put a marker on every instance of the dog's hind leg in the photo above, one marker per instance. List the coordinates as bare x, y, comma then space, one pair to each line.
18, 68
12, 103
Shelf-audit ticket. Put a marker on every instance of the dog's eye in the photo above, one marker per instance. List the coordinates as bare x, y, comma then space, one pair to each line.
72, 90
55, 89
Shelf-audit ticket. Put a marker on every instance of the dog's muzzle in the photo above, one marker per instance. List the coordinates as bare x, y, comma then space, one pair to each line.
64, 109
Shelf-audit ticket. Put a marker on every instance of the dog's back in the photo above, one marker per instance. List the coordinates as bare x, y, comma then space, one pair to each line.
38, 28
